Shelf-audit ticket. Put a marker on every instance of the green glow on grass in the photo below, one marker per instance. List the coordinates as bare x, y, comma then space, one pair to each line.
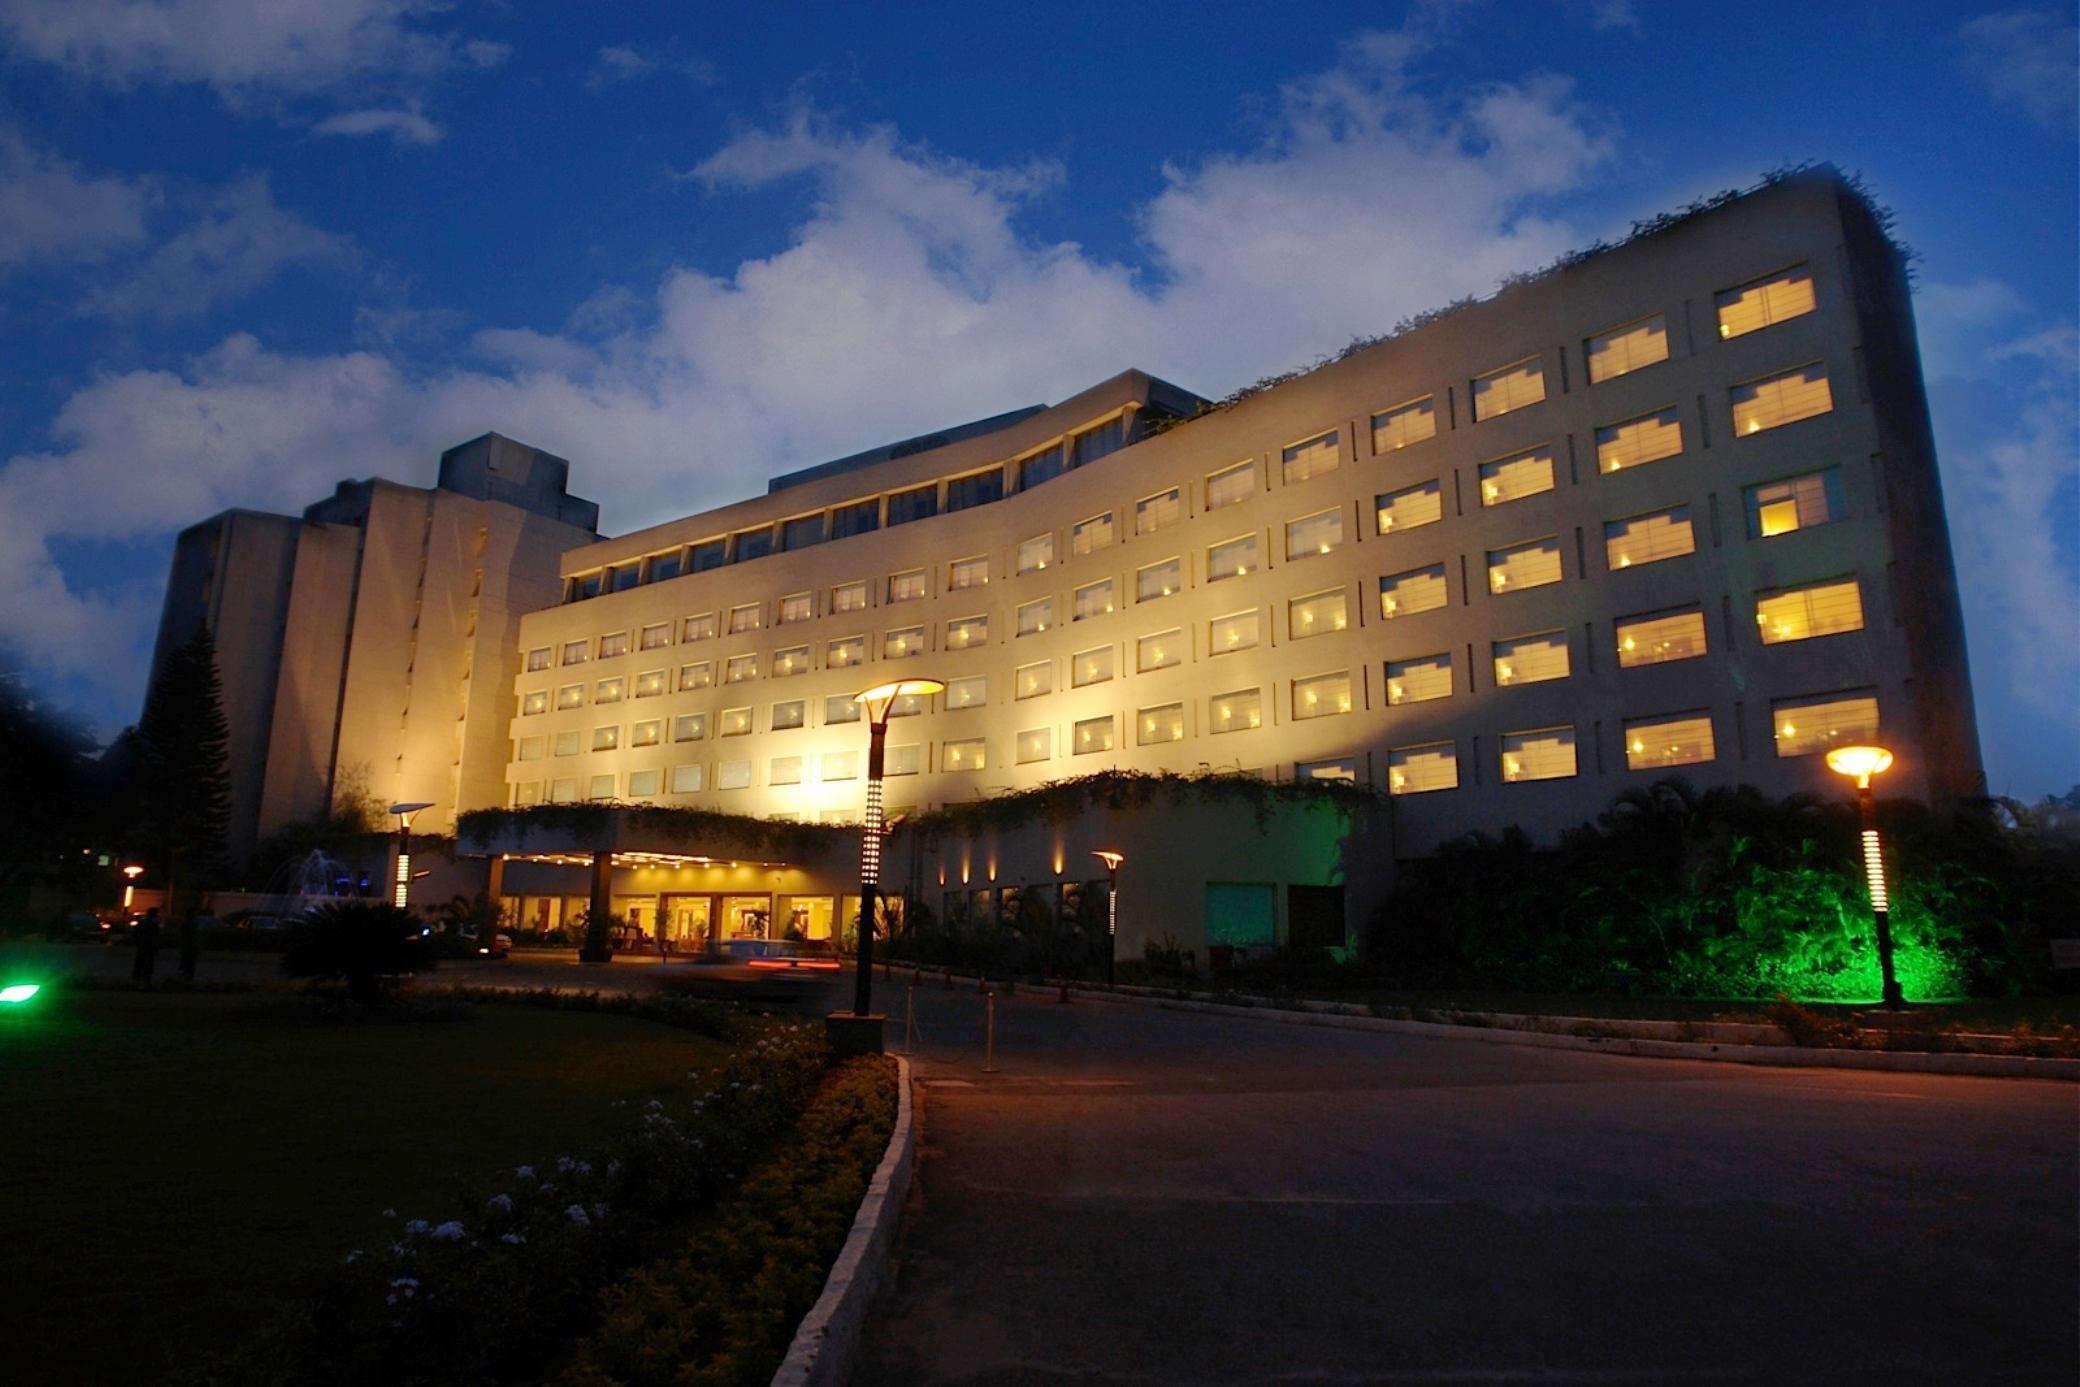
16, 993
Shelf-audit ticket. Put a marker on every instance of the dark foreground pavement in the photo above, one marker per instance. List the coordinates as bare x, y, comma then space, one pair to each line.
1159, 1197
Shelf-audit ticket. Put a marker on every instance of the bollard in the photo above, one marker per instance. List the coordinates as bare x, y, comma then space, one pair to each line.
989, 1037
1065, 991
949, 977
910, 1019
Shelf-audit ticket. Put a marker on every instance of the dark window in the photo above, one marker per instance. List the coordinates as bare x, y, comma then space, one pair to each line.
588, 586
663, 566
1314, 919
1040, 467
802, 532
625, 576
978, 490
709, 554
906, 506
753, 544
1096, 443
856, 519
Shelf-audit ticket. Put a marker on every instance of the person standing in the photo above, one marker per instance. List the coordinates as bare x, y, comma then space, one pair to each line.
147, 947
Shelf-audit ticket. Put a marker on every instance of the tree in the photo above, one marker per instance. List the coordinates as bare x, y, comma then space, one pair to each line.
46, 773
185, 785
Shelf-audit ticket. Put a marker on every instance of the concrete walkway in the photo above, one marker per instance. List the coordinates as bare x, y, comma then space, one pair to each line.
1152, 1196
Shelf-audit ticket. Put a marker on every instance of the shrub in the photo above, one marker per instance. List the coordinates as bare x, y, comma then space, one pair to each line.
362, 943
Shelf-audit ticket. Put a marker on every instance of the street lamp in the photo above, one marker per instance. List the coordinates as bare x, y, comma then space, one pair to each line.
1111, 860
1860, 763
130, 875
405, 814
878, 702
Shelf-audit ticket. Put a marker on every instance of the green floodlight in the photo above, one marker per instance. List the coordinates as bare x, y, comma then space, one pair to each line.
17, 993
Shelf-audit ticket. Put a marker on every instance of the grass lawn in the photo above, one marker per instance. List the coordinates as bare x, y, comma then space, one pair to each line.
171, 1164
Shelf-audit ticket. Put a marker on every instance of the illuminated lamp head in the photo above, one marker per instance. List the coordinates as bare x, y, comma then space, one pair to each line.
1859, 763
882, 697
1109, 858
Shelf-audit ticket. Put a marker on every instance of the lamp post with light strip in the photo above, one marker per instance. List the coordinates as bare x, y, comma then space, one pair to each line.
878, 702
1860, 763
1111, 860
401, 891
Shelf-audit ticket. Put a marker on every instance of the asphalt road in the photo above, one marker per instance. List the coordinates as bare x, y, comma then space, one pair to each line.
1163, 1197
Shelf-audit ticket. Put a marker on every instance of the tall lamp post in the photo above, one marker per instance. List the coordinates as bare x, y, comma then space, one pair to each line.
401, 892
878, 702
1111, 860
130, 875
1860, 763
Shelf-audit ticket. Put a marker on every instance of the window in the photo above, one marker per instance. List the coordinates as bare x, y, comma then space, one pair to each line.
600, 787
1512, 479
1163, 723
1088, 536
971, 692
1531, 564
752, 544
538, 658
709, 553
688, 780
1036, 553
1092, 599
967, 573
794, 659
1227, 634
690, 727
1093, 666
1231, 558
784, 770
697, 628
1531, 659
1762, 302
527, 792
849, 597
845, 652
1547, 754
1417, 590
1313, 535
655, 637
642, 784
789, 715
697, 676
1152, 513
1159, 651
570, 696
563, 790
1344, 768
797, 606
1511, 387
1158, 580
1626, 349
838, 765
613, 645
650, 683
1796, 503
1413, 770
623, 576
1031, 681
840, 708
1659, 638
1043, 466
1230, 485
576, 652
740, 668
1649, 438
1813, 609
1036, 616
1682, 739
1092, 444
1781, 399
1418, 680
1313, 458
609, 690
907, 587
665, 566
584, 587
964, 755
919, 504
1317, 614
568, 744
901, 642
736, 722
534, 701
906, 706
1323, 696
903, 760
1092, 734
1396, 428
733, 775
1805, 725
1238, 710
1035, 744
1648, 538
964, 631
749, 617
801, 532
532, 749
855, 518
1421, 504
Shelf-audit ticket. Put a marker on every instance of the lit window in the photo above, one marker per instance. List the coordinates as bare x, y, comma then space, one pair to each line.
1529, 565
697, 676
1158, 580
919, 503
1512, 479
571, 696
971, 692
1795, 503
1152, 513
1035, 617
1681, 740
838, 765
1343, 768
1317, 614
1313, 535
1036, 553
1762, 302
1092, 734
1626, 349
733, 775
650, 683
1417, 590
975, 489
967, 573
532, 749
1239, 710
1323, 696
784, 770
797, 606
568, 744
1043, 466
1402, 425
1660, 638
527, 792
613, 645
1031, 681
577, 652
1511, 387
600, 787
1531, 659
964, 755
964, 631
655, 637
539, 658
1312, 458
789, 715
609, 690
1806, 725
735, 722
1419, 679
906, 706
1546, 754
739, 668
1421, 504
1035, 744
1781, 399
688, 780
1231, 485
1648, 538
751, 544
849, 597
1093, 666
845, 652
901, 642
907, 587
1093, 599
1649, 438
697, 628
749, 617
792, 660
1153, 726
563, 790
690, 727
1090, 535
1159, 651
642, 784
1413, 770
1815, 609
1227, 634
903, 760
1232, 558
533, 702
840, 708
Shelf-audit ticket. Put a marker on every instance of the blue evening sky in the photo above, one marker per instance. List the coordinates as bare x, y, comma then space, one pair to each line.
249, 248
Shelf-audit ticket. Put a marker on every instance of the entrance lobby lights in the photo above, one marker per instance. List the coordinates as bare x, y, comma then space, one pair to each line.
878, 702
1111, 860
1860, 763
405, 814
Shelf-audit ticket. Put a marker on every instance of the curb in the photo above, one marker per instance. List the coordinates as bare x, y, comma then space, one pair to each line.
826, 1343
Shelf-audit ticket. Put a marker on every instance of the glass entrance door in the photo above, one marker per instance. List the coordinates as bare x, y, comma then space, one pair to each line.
685, 921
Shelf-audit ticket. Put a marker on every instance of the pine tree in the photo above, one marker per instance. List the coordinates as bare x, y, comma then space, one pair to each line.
185, 792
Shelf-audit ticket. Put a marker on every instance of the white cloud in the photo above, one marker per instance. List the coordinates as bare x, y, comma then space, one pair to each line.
2028, 59
50, 213
1613, 14
623, 62
241, 242
406, 127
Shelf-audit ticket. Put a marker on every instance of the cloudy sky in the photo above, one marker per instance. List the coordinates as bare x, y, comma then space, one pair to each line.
249, 247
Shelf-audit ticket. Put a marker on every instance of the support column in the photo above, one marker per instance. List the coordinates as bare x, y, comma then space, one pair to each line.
598, 946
